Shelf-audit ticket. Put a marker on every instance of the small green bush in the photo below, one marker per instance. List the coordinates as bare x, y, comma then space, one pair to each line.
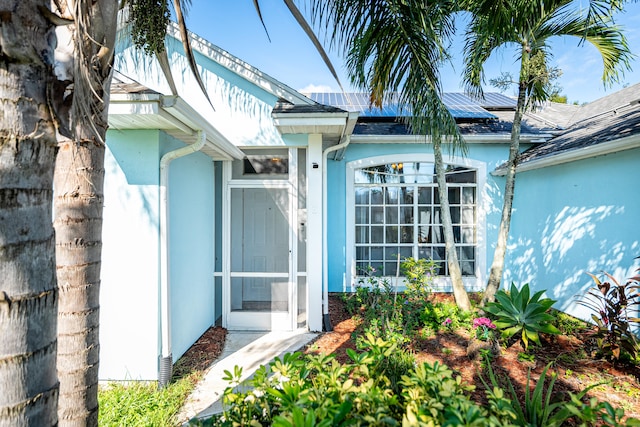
379, 387
444, 315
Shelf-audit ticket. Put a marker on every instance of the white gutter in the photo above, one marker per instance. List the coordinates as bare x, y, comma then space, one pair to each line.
345, 139
166, 357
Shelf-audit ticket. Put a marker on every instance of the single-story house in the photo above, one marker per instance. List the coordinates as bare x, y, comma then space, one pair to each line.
249, 207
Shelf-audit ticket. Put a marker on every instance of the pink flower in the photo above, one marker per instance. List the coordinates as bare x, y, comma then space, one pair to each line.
483, 321
447, 321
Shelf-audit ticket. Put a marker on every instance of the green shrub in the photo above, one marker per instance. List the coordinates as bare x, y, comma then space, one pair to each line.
544, 408
567, 324
517, 313
444, 315
314, 390
612, 304
419, 274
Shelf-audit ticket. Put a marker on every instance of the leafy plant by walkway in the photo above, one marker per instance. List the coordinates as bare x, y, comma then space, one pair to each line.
386, 380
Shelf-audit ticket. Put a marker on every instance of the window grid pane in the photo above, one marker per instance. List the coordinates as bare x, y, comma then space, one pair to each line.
395, 218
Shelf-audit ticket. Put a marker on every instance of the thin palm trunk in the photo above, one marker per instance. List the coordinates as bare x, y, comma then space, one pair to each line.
28, 295
459, 292
79, 178
497, 266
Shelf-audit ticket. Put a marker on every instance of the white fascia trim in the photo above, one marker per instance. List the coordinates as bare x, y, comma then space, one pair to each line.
626, 143
177, 111
421, 139
240, 67
181, 110
118, 98
314, 119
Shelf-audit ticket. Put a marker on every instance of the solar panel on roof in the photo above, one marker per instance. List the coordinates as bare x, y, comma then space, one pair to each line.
497, 100
459, 105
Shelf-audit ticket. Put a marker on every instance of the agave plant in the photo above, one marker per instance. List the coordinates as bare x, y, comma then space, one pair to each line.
516, 313
612, 304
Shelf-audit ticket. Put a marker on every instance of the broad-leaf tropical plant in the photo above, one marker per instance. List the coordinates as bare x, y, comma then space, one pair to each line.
518, 313
613, 305
528, 26
394, 50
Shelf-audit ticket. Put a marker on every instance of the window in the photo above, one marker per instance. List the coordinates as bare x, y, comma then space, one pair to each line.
261, 164
397, 215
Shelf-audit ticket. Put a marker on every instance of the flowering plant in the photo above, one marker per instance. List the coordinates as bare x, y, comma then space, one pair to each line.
483, 327
447, 323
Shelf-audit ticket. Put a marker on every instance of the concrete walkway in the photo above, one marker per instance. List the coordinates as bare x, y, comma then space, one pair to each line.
249, 350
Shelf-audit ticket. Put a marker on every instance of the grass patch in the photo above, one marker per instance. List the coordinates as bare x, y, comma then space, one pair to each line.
137, 403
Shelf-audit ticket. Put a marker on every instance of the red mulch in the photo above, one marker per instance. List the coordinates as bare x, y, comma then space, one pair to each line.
575, 368
575, 373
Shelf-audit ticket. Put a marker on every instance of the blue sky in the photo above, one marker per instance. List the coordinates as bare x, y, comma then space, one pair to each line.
291, 58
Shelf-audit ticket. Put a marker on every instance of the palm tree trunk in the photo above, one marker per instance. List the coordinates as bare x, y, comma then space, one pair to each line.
497, 266
79, 178
28, 294
459, 292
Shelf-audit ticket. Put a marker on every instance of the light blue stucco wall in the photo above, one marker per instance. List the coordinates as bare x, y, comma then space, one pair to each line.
191, 240
574, 218
490, 154
569, 219
130, 335
129, 276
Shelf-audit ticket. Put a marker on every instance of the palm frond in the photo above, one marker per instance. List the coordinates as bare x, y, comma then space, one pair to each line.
256, 4
602, 34
396, 49
312, 36
186, 44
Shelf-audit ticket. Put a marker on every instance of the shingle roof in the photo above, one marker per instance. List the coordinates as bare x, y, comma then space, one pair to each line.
283, 106
124, 85
491, 115
607, 119
502, 125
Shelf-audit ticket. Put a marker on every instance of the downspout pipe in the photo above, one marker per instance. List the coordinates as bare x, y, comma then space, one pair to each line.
166, 357
345, 139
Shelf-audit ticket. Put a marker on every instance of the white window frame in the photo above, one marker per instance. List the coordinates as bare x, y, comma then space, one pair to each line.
441, 283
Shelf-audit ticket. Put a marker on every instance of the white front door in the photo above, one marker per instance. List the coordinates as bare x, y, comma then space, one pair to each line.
260, 291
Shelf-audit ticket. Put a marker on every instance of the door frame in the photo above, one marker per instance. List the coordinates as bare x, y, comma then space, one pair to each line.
244, 322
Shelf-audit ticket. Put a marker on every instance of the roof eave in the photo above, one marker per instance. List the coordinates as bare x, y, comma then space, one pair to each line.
172, 115
312, 123
490, 138
610, 147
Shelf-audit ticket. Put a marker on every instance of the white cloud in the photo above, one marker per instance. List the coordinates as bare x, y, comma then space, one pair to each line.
316, 88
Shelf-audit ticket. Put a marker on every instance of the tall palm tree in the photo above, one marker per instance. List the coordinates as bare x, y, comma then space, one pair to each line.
85, 54
28, 301
397, 46
529, 25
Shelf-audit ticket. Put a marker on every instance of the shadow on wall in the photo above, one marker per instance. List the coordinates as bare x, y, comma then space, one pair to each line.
556, 253
133, 185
